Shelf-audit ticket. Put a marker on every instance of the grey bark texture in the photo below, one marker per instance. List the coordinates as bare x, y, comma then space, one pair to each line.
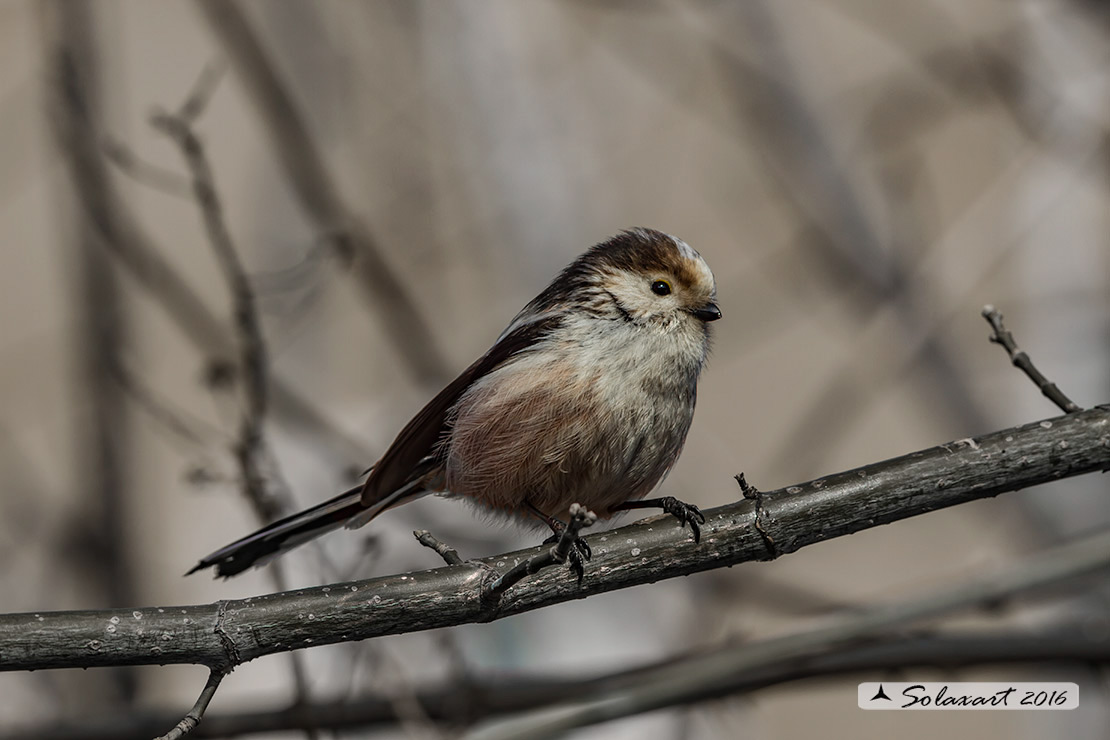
763, 527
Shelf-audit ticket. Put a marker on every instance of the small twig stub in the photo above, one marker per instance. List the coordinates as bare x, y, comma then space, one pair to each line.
193, 717
1020, 359
449, 554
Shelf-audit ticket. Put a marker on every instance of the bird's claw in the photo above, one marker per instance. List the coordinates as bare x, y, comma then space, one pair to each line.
577, 557
579, 553
685, 513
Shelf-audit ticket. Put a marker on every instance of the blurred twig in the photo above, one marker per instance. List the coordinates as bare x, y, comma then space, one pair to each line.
710, 675
177, 421
319, 195
252, 346
481, 699
812, 180
250, 448
148, 174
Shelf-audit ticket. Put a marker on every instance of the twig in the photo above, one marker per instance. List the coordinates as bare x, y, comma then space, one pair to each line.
252, 348
449, 554
149, 174
177, 421
580, 518
190, 721
232, 632
318, 192
203, 90
250, 449
121, 234
747, 490
1020, 360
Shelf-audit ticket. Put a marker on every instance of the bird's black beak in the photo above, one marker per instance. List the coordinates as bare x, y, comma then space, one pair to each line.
708, 312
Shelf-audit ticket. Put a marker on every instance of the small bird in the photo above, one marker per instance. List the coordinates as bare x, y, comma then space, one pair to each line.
585, 398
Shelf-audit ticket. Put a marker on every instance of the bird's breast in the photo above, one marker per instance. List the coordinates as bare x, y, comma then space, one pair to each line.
595, 420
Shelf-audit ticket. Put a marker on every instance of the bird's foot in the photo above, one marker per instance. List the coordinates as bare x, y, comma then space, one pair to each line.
685, 513
579, 552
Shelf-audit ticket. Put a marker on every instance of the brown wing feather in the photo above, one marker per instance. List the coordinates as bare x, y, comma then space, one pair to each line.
419, 437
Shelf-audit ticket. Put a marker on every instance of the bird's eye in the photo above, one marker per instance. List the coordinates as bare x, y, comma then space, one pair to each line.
661, 287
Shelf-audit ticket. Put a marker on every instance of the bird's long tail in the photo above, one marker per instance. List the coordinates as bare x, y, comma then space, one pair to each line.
285, 534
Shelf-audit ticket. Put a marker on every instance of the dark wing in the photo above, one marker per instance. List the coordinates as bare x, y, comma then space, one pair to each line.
419, 437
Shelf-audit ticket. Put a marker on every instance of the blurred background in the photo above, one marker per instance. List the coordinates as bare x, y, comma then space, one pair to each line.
861, 176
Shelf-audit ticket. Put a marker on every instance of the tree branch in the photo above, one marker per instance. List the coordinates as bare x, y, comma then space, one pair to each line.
103, 430
318, 192
121, 234
251, 345
228, 633
714, 674
462, 704
250, 448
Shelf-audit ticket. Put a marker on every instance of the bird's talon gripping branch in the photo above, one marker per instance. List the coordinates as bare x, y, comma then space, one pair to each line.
580, 550
570, 548
684, 512
566, 550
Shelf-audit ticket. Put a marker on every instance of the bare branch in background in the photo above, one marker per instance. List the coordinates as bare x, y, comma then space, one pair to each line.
232, 632
480, 699
842, 234
250, 449
1005, 339
711, 675
120, 233
104, 433
147, 173
319, 194
197, 99
252, 347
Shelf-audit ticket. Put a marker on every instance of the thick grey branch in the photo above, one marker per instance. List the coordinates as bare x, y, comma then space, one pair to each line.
231, 632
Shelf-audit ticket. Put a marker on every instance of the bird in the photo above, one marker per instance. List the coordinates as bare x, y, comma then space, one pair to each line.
586, 397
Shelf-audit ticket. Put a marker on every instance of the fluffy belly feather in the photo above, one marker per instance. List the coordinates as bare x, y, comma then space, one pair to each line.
551, 434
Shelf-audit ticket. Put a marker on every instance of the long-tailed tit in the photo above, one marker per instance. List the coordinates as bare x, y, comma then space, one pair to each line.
585, 398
